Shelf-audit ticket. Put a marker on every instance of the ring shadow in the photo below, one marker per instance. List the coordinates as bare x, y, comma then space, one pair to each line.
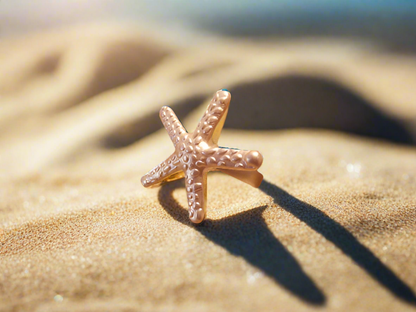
247, 235
342, 238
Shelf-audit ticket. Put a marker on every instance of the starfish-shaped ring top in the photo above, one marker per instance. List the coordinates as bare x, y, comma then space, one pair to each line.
198, 152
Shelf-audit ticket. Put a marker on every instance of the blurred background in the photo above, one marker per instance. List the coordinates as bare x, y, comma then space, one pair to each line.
392, 22
345, 66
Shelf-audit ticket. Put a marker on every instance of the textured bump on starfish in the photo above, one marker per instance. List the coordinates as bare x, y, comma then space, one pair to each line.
198, 152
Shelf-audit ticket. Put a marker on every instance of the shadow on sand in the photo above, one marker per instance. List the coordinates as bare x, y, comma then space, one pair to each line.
247, 235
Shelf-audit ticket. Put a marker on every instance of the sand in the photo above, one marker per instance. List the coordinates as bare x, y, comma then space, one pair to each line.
332, 227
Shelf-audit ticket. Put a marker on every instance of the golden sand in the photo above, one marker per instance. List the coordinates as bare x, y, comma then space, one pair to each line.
332, 227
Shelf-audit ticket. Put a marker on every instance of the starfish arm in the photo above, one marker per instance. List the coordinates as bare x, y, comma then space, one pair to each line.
166, 171
196, 189
233, 159
171, 123
210, 126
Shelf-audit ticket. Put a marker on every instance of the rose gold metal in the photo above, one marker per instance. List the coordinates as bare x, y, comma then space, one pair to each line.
198, 152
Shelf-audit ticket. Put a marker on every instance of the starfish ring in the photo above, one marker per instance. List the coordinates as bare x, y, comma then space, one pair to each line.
198, 152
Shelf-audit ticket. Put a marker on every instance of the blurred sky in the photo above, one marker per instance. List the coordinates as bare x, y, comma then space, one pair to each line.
391, 19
